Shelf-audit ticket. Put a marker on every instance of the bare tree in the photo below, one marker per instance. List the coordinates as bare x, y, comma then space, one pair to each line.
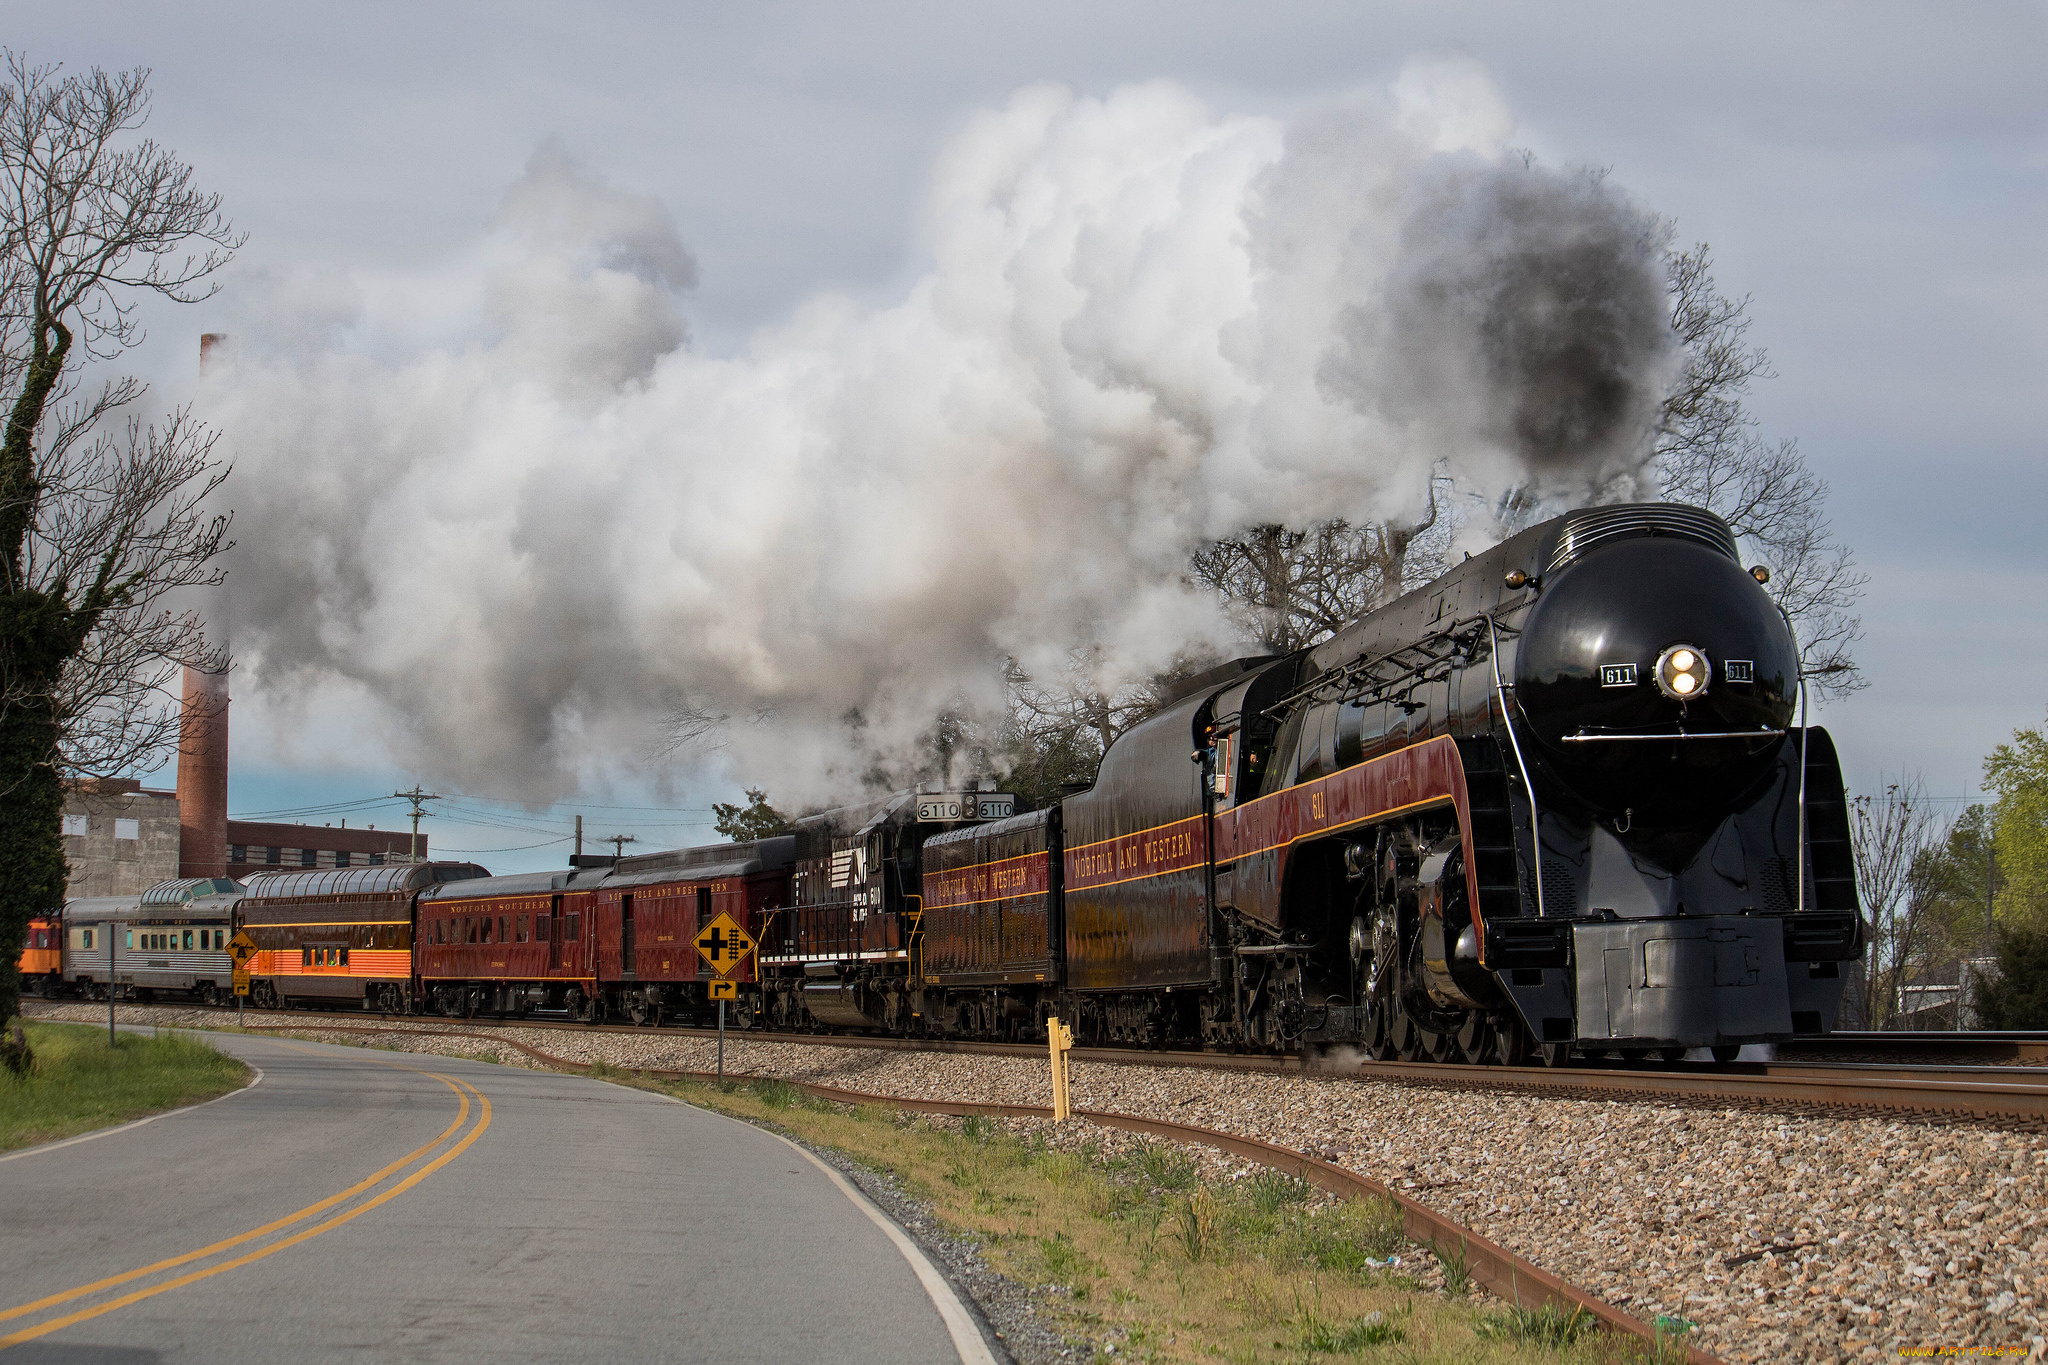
101, 518
1899, 875
1287, 589
1085, 699
1290, 587
1709, 453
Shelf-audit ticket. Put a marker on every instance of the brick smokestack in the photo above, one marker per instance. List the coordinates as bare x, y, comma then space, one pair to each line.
203, 750
203, 776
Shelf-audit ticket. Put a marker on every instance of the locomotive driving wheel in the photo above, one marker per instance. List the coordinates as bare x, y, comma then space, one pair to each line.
1479, 1041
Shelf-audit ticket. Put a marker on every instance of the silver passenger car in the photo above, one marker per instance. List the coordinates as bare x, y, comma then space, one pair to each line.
173, 937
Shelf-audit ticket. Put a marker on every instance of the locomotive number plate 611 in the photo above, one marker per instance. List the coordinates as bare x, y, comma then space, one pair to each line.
1617, 675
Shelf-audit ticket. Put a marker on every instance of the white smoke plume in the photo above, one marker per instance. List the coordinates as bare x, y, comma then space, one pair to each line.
533, 533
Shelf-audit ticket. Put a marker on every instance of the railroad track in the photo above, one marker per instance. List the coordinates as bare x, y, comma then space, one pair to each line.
1998, 1091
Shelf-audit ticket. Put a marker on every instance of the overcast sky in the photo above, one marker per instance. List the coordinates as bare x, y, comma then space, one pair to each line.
1875, 176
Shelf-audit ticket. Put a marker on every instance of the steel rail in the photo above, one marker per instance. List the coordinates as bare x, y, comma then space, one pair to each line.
1979, 1092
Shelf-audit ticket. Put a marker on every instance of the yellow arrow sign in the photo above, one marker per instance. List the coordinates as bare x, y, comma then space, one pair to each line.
723, 944
723, 990
241, 981
241, 948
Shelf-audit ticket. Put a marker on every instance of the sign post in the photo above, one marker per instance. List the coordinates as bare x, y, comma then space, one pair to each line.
725, 947
112, 988
1060, 1038
242, 949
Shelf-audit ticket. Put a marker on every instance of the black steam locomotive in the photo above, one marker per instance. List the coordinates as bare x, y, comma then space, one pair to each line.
1553, 801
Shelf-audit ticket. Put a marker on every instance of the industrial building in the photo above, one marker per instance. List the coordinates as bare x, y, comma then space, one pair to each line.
120, 838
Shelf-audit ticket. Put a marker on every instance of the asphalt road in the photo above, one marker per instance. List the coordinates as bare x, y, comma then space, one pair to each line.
360, 1205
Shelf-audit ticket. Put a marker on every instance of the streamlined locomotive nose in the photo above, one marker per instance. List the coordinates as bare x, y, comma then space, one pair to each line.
1656, 673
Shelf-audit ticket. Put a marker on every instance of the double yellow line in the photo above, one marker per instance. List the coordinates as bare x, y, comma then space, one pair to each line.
462, 1090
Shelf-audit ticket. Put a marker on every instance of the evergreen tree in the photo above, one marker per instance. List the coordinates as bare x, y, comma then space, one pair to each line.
755, 820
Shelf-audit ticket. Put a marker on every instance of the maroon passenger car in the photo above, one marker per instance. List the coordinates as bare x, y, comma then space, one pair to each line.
510, 944
594, 943
652, 909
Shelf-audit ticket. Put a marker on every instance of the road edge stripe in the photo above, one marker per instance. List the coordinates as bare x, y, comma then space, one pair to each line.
962, 1325
137, 1123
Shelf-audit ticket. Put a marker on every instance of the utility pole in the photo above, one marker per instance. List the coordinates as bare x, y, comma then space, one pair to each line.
1990, 891
418, 799
619, 842
579, 838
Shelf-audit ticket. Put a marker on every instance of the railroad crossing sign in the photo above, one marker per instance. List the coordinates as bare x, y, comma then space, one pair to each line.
241, 948
723, 990
723, 944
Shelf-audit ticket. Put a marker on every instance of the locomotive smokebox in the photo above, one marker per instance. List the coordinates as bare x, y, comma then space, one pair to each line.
1657, 676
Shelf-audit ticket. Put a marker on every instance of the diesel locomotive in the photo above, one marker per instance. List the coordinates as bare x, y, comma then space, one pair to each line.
1559, 801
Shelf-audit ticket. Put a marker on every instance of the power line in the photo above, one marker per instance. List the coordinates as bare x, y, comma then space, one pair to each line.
331, 808
521, 848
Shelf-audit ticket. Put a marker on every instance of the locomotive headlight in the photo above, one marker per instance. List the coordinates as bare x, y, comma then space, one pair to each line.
1683, 672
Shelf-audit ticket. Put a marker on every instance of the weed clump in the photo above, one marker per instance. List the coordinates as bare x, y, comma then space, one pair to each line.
1332, 1339
1549, 1326
778, 1094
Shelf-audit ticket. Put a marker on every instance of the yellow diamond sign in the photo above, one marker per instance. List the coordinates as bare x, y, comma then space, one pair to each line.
723, 944
241, 948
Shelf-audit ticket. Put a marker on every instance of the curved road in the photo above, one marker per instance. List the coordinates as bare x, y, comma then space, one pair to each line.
360, 1205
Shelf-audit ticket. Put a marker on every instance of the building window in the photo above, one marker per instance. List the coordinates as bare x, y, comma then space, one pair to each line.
273, 856
127, 829
376, 860
309, 857
341, 858
238, 853
75, 824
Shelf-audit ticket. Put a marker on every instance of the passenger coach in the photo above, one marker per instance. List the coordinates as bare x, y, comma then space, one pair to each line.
340, 937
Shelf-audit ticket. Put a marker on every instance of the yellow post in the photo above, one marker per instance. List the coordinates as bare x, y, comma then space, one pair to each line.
1060, 1039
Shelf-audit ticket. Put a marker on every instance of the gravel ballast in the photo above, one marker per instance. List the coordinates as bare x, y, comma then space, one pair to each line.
1782, 1235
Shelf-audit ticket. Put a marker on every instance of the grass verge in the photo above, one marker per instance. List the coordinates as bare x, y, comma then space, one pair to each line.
1132, 1249
80, 1083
